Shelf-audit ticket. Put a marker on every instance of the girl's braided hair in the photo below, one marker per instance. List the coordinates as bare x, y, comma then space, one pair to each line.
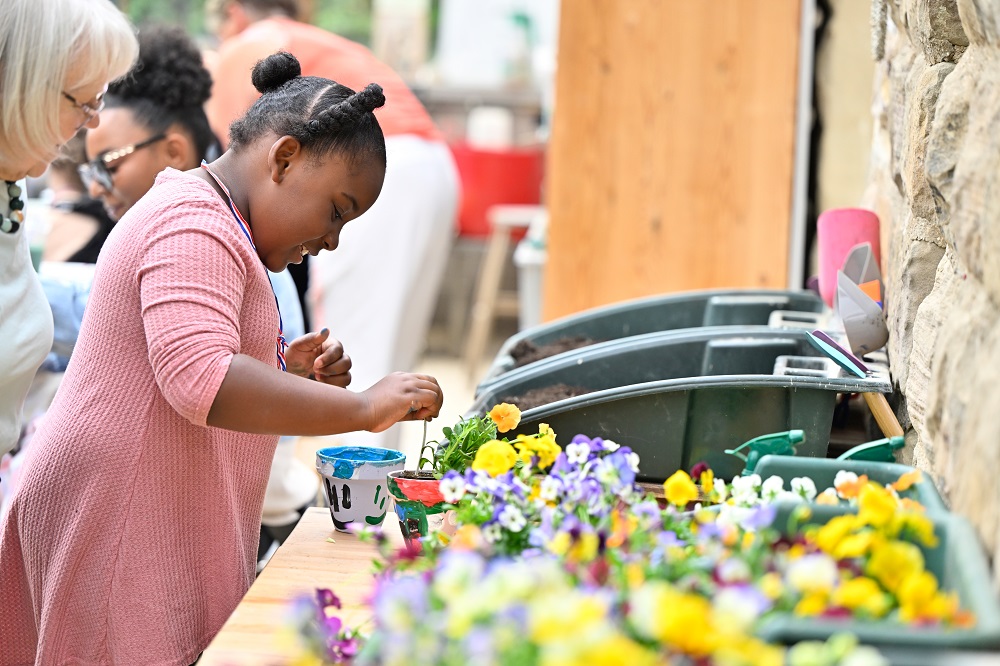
323, 115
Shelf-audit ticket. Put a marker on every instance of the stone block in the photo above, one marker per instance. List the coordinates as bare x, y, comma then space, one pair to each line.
980, 21
948, 132
973, 193
935, 28
961, 424
910, 281
923, 87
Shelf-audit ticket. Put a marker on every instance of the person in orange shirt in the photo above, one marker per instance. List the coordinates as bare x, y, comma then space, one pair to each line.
377, 292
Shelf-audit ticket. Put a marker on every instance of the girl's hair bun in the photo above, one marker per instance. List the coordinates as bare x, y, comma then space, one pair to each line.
369, 99
275, 71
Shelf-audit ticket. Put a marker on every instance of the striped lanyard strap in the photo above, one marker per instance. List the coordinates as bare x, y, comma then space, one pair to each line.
281, 344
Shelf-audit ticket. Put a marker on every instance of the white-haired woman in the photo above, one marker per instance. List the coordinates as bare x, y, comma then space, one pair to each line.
56, 59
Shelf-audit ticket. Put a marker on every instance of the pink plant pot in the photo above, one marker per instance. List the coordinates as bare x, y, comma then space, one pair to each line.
837, 231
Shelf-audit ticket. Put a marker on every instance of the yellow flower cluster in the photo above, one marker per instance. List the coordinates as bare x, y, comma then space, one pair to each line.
543, 445
689, 623
499, 456
892, 568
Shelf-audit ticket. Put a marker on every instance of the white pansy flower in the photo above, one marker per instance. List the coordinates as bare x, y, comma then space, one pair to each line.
452, 489
804, 487
633, 461
492, 532
720, 489
735, 609
512, 518
549, 489
577, 454
745, 489
789, 496
771, 488
734, 570
606, 473
611, 446
816, 572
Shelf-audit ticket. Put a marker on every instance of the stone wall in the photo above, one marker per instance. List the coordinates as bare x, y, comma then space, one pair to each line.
936, 185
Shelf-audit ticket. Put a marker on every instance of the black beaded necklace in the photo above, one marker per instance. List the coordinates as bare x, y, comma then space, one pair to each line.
11, 224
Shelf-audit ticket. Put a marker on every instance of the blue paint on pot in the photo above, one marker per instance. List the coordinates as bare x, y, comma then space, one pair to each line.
346, 459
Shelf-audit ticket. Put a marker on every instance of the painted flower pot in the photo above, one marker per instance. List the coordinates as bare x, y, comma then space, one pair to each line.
419, 504
354, 480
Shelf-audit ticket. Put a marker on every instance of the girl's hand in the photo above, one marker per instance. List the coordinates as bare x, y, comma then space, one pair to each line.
319, 355
403, 396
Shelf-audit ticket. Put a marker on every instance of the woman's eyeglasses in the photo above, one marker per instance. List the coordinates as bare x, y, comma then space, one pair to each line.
98, 170
89, 109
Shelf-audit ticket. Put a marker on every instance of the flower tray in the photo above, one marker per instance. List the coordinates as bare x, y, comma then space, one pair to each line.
661, 313
959, 565
681, 397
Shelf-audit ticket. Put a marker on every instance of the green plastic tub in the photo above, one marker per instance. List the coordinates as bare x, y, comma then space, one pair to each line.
823, 471
681, 397
959, 564
743, 307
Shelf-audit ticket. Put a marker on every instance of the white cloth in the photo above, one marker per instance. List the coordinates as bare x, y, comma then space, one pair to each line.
291, 484
377, 291
25, 326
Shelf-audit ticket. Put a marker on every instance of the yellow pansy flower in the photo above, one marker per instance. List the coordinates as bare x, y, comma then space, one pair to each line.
679, 489
771, 585
748, 650
506, 416
615, 649
495, 457
707, 482
863, 594
876, 505
811, 604
583, 549
855, 545
919, 599
920, 527
565, 617
543, 446
829, 536
892, 562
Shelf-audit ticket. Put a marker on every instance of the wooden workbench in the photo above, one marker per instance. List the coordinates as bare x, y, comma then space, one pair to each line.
306, 561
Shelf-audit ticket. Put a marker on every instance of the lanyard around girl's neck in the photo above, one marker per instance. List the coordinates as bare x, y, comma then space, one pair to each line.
281, 344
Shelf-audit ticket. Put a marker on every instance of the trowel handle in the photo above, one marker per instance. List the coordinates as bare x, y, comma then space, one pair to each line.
884, 416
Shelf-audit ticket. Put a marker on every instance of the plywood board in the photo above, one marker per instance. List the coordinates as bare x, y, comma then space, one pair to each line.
672, 153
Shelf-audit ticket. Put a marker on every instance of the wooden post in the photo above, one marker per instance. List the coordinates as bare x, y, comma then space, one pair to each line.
672, 151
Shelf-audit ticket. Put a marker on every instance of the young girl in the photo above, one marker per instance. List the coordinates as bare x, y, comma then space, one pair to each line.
133, 535
153, 119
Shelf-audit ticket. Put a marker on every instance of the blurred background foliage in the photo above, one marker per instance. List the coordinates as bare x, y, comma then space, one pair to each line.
348, 18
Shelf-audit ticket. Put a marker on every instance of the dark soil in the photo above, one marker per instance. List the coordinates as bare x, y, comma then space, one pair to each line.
414, 474
526, 351
545, 395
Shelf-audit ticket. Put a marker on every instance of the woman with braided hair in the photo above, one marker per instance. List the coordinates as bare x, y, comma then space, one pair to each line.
133, 534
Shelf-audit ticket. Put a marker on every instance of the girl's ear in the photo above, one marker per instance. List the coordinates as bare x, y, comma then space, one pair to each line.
284, 155
179, 151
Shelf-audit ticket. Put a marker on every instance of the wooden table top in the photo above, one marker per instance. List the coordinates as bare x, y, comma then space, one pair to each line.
306, 561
